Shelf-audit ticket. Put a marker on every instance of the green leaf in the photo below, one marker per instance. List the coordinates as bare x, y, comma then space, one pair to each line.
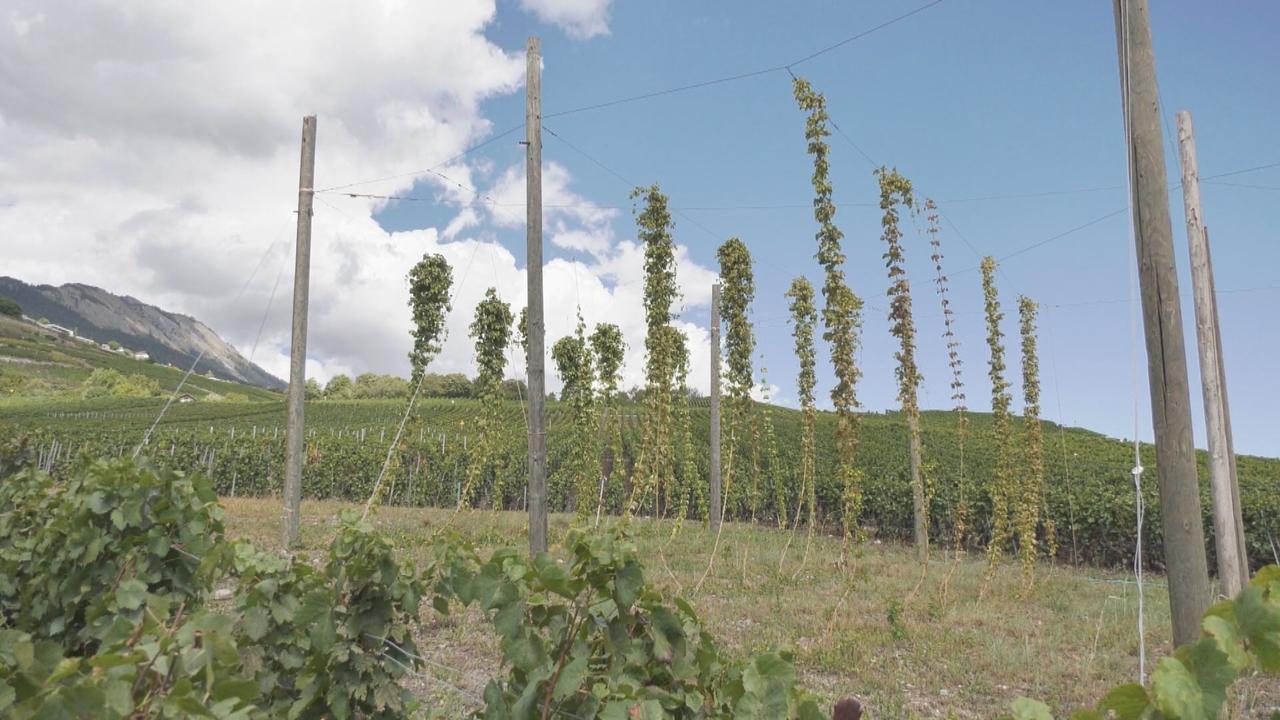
1259, 621
1128, 702
1028, 709
256, 622
573, 674
131, 594
627, 584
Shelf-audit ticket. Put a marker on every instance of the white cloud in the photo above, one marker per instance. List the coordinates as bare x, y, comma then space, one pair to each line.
579, 18
153, 151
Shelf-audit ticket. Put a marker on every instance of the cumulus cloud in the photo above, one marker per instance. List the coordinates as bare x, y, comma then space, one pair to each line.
152, 149
579, 18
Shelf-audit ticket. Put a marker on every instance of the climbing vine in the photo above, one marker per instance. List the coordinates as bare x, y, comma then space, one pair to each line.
609, 349
1031, 494
491, 332
960, 508
1000, 487
573, 359
686, 492
895, 190
655, 465
804, 318
429, 284
842, 313
770, 442
738, 291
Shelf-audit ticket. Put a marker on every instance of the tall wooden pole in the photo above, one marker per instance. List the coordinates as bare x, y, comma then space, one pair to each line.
1187, 569
295, 428
536, 362
716, 505
1225, 537
1226, 414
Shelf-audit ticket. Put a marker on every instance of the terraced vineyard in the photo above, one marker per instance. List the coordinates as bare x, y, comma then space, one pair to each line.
241, 447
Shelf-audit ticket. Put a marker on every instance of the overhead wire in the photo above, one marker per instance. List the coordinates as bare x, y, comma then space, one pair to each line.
743, 75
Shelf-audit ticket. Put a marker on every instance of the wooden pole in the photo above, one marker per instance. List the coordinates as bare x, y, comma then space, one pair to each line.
1183, 532
295, 427
1225, 538
1226, 414
716, 506
537, 490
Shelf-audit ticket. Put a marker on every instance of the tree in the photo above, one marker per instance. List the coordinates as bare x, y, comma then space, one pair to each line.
371, 386
114, 345
10, 307
1000, 486
491, 332
655, 467
429, 284
339, 387
313, 389
895, 190
842, 311
737, 293
574, 363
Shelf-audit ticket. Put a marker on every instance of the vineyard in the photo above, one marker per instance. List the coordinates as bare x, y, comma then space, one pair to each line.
621, 524
240, 447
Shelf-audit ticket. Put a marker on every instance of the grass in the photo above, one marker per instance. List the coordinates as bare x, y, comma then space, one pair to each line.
908, 645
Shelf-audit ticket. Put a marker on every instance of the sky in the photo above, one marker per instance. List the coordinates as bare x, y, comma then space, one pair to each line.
152, 149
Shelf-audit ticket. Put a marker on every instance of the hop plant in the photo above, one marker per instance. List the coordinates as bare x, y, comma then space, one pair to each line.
1000, 488
842, 312
1031, 491
574, 362
804, 318
429, 284
655, 464
491, 332
960, 508
895, 190
738, 283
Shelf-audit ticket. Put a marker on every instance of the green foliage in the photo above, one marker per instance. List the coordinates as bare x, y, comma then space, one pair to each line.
1031, 489
171, 665
738, 288
10, 307
339, 387
108, 382
960, 515
610, 351
804, 317
591, 639
842, 313
369, 386
491, 332
1240, 636
1001, 486
574, 362
429, 283
655, 467
895, 190
331, 642
313, 390
103, 579
81, 555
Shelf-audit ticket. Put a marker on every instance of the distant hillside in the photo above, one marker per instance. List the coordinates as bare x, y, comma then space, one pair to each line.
167, 337
39, 366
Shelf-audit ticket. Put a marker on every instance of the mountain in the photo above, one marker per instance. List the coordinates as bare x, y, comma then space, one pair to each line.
167, 337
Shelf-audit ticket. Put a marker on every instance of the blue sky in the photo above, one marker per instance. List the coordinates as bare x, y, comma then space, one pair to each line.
1007, 113
184, 120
